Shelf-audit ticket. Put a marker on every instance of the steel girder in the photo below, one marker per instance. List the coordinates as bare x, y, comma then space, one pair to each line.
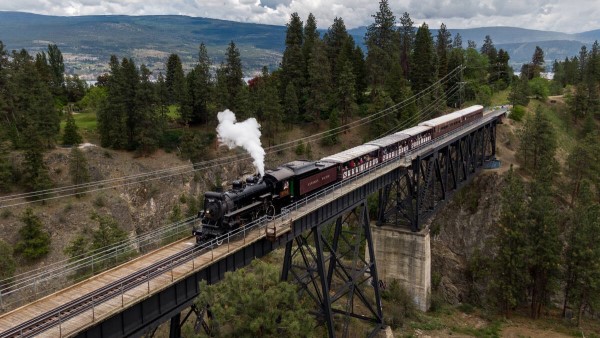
434, 175
329, 265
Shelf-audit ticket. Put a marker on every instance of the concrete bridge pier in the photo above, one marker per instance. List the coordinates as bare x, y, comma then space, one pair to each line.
406, 256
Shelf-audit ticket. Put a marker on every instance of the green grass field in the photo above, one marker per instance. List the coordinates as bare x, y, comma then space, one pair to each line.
86, 122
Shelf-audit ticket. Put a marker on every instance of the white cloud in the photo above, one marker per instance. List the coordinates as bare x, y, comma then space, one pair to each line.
559, 15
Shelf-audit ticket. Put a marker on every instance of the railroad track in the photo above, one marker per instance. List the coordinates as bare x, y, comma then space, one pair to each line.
85, 303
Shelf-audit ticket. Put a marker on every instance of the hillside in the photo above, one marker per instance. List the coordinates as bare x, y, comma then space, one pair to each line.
87, 42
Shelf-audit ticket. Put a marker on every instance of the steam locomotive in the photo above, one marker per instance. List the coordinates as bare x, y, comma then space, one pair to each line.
290, 182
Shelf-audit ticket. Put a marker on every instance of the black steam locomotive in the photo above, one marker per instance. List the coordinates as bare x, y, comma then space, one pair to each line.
258, 196
267, 195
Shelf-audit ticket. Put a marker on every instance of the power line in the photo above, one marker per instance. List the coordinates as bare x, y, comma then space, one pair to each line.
73, 190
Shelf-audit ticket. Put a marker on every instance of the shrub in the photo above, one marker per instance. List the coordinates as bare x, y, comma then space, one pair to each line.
400, 304
7, 262
517, 113
34, 242
6, 213
300, 149
108, 232
100, 201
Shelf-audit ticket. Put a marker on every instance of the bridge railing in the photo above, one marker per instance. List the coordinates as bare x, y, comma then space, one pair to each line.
31, 285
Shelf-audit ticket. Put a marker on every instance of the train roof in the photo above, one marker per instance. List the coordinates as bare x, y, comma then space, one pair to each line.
388, 140
279, 174
416, 130
469, 110
294, 168
441, 120
350, 154
449, 117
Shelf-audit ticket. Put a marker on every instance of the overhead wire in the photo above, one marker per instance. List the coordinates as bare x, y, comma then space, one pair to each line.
185, 169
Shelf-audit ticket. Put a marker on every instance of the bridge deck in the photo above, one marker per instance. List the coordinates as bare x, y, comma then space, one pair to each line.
149, 286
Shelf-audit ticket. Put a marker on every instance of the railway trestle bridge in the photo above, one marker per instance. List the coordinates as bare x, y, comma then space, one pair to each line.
322, 235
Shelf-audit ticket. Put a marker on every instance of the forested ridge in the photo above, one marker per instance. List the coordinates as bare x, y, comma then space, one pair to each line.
543, 257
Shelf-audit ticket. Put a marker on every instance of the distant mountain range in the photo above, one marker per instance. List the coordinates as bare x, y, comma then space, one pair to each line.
88, 41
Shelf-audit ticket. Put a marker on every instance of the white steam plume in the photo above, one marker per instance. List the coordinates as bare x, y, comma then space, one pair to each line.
242, 134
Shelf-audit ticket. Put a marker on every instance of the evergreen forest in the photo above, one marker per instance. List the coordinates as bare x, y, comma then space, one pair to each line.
542, 262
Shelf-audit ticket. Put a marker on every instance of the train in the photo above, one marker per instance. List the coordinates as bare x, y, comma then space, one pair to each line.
257, 196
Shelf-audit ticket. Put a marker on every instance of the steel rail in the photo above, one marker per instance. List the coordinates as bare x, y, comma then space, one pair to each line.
82, 304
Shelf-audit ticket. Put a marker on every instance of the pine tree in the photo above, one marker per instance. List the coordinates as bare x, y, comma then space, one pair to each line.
7, 262
424, 63
221, 92
509, 266
162, 97
34, 241
407, 38
5, 168
537, 62
319, 84
382, 32
108, 232
488, 49
311, 34
583, 163
75, 88
457, 43
57, 71
4, 93
150, 125
193, 145
254, 302
291, 110
32, 102
538, 147
380, 126
233, 75
519, 92
359, 68
538, 144
383, 41
112, 117
340, 47
501, 71
35, 173
78, 169
443, 46
272, 110
346, 94
200, 88
543, 240
71, 136
582, 257
174, 80
77, 248
293, 64
129, 89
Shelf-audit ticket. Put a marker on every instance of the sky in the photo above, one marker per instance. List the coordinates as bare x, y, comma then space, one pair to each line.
568, 16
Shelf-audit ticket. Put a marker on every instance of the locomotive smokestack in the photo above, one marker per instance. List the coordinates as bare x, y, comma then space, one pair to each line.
242, 134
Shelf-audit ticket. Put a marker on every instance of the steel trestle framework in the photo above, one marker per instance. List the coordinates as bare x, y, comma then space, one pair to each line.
329, 265
323, 249
434, 176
